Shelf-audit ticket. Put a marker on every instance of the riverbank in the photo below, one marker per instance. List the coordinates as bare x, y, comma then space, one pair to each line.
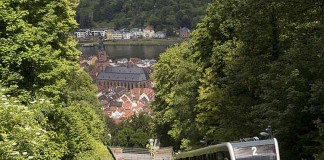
148, 42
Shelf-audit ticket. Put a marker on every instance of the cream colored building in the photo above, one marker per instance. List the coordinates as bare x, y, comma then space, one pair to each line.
148, 32
109, 34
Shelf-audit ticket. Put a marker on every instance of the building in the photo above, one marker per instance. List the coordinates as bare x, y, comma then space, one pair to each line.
148, 32
133, 102
117, 35
184, 32
103, 60
110, 77
128, 77
136, 33
159, 34
99, 32
109, 34
82, 33
126, 35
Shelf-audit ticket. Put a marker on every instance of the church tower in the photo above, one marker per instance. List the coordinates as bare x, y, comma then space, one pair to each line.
103, 60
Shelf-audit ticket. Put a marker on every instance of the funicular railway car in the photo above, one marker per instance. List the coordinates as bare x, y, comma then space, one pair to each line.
248, 150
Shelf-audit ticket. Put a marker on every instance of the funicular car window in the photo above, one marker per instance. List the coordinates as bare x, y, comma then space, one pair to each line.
259, 152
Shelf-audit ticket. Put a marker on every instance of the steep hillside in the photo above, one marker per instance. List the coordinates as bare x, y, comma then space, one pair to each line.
162, 14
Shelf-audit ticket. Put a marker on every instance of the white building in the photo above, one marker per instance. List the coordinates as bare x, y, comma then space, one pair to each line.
159, 34
82, 33
126, 35
136, 33
98, 32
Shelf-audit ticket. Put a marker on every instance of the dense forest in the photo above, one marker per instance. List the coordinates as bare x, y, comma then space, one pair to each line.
161, 14
48, 104
249, 64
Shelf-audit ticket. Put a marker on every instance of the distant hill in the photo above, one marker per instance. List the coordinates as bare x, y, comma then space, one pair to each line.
166, 15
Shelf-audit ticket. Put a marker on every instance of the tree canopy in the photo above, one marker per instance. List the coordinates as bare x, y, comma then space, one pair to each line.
258, 63
161, 14
133, 132
49, 109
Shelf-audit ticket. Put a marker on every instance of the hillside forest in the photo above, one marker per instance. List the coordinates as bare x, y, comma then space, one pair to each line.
161, 14
248, 65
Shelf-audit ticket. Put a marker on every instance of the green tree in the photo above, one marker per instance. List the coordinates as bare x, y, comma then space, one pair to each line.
38, 60
271, 79
274, 77
175, 79
23, 134
258, 61
133, 132
36, 48
101, 13
214, 46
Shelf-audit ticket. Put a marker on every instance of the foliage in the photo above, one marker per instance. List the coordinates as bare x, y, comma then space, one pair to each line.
258, 63
36, 49
22, 133
273, 80
99, 152
214, 46
133, 132
39, 70
176, 84
160, 14
320, 125
27, 134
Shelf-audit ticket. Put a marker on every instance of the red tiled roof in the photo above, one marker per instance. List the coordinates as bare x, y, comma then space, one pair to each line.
140, 104
129, 95
127, 105
124, 98
136, 92
120, 110
149, 92
128, 113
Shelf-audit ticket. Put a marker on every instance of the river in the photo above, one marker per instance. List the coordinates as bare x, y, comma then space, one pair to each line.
127, 51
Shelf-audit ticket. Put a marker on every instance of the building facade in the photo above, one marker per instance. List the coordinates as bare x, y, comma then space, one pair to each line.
109, 77
184, 32
82, 33
148, 32
127, 77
